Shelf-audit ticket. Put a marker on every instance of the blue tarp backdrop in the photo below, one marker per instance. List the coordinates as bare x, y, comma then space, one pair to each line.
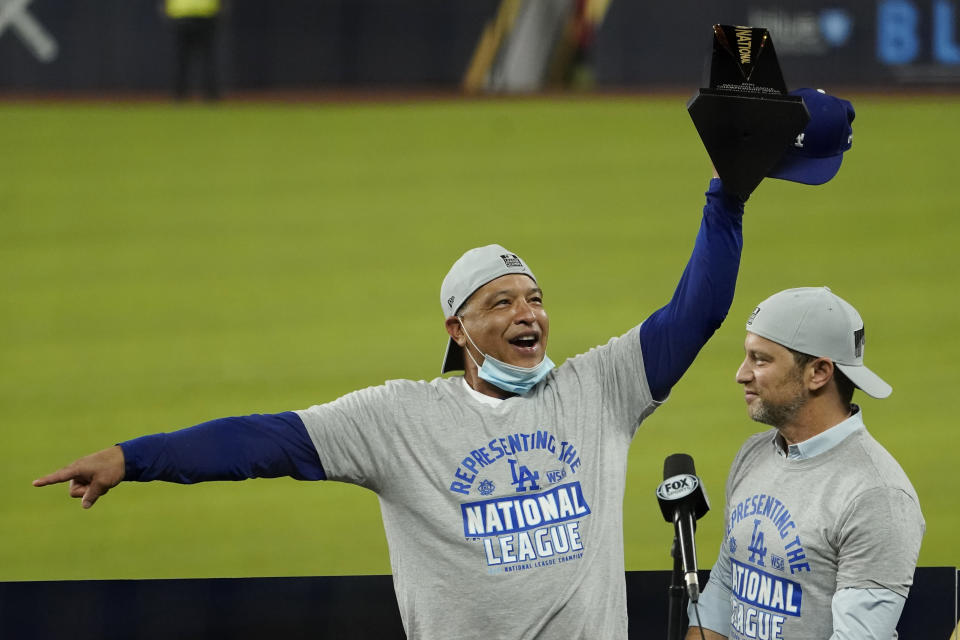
819, 42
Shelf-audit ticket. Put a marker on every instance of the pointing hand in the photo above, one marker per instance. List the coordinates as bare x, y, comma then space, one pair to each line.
91, 476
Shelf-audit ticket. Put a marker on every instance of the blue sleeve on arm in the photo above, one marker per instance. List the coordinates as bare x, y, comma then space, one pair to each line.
673, 335
713, 611
257, 446
862, 614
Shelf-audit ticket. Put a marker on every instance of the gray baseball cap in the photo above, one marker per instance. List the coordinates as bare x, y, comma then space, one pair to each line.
474, 269
817, 322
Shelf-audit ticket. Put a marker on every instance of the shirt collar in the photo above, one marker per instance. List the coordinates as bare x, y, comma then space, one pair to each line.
822, 442
481, 397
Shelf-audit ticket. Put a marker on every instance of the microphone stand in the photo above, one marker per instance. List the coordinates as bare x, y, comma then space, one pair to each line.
677, 597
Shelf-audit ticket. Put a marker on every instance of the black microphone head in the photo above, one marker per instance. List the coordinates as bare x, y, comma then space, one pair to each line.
678, 464
681, 488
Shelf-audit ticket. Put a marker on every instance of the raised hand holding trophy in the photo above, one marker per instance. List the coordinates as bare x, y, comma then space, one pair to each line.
746, 119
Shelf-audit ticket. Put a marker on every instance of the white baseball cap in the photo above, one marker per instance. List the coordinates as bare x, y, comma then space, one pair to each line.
474, 269
817, 322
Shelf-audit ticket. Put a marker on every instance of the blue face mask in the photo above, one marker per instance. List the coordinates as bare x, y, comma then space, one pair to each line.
509, 377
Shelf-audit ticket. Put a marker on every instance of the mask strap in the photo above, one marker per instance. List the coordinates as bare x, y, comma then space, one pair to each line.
460, 320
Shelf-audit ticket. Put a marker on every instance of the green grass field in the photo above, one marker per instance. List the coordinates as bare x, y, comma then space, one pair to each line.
165, 265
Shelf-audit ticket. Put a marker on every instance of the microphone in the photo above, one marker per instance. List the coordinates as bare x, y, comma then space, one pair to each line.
683, 501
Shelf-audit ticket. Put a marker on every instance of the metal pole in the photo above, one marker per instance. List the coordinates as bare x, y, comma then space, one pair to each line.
677, 597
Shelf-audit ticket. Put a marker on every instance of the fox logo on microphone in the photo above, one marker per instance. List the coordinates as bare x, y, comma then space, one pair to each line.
678, 487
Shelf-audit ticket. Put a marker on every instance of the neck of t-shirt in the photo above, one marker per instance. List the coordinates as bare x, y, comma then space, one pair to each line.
481, 397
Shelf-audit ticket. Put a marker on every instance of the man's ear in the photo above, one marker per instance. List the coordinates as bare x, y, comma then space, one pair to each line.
820, 372
455, 330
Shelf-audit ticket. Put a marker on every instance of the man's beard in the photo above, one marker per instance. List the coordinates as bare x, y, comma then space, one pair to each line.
781, 414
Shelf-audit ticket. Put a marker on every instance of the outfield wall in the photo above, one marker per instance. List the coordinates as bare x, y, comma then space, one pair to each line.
332, 607
60, 45
118, 44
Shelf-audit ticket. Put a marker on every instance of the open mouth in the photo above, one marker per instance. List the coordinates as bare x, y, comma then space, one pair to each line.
527, 341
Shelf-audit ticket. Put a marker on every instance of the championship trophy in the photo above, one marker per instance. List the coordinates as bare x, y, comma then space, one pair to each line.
745, 119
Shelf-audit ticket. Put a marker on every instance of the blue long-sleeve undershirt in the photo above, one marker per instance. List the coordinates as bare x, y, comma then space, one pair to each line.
673, 335
256, 446
274, 445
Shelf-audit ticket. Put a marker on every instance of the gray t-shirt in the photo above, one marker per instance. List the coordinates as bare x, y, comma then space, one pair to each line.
797, 531
502, 521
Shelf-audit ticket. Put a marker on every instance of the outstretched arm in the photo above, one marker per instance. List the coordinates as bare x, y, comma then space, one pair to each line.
90, 477
673, 335
256, 446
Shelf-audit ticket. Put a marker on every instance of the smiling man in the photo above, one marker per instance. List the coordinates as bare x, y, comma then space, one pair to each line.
823, 527
502, 489
492, 291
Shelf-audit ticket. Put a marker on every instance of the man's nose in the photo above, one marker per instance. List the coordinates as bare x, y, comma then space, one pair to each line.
524, 313
743, 375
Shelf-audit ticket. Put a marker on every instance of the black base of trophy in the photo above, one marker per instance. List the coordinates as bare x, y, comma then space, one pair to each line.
746, 135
